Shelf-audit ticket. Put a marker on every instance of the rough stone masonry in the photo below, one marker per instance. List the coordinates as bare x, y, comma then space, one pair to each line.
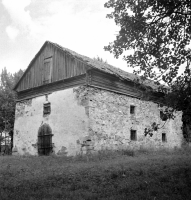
86, 119
111, 122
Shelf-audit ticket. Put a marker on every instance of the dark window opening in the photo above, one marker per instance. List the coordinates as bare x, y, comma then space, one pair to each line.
133, 135
163, 116
45, 140
164, 137
46, 108
132, 109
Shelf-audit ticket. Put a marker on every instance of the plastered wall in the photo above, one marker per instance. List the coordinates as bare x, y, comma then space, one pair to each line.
68, 121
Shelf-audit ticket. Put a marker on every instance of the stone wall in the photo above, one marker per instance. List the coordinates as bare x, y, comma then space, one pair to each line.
111, 122
85, 119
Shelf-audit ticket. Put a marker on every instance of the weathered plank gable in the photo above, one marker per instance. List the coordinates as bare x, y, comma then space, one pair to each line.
50, 65
56, 68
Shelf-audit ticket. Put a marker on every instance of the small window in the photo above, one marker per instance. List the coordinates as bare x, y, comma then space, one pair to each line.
133, 135
132, 109
163, 116
47, 108
164, 137
47, 70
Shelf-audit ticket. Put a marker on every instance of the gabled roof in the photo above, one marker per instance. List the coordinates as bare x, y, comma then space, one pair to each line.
107, 67
94, 64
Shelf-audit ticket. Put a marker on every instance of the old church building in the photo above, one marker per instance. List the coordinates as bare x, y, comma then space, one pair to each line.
69, 104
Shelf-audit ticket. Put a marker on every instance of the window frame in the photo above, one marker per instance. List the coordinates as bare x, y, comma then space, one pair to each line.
164, 138
132, 109
133, 137
46, 108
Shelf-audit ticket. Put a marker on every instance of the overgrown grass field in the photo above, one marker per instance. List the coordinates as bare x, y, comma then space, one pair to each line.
107, 175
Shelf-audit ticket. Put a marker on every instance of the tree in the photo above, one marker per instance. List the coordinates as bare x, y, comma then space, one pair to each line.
159, 34
100, 59
8, 100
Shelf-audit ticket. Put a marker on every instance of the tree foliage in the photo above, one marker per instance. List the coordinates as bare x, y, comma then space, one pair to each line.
158, 32
8, 99
99, 59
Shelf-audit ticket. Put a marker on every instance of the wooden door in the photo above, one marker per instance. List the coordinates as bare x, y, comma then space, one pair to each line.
47, 70
45, 140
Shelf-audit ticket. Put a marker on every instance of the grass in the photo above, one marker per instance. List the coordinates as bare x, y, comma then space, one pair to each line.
107, 175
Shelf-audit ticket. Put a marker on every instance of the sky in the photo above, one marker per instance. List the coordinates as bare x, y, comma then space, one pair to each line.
80, 25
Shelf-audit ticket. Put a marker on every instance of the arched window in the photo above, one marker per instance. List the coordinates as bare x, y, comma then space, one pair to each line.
45, 140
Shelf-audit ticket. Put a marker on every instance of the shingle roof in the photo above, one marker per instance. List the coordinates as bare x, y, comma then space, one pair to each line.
98, 65
107, 67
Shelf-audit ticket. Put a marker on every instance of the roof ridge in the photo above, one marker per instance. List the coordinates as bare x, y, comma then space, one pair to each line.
108, 68
104, 66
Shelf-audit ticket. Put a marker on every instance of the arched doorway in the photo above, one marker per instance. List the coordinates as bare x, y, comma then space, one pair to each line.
45, 140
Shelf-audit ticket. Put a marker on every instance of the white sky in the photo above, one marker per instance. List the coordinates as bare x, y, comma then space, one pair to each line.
80, 25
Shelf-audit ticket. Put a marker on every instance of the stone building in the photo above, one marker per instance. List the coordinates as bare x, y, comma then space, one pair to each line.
70, 104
